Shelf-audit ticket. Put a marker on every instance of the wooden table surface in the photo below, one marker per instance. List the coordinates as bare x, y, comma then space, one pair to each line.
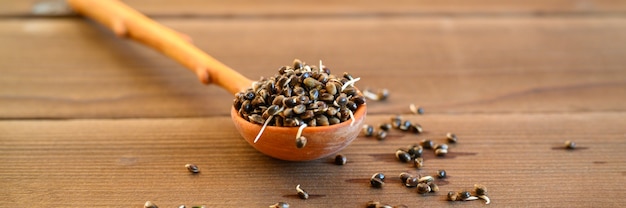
90, 120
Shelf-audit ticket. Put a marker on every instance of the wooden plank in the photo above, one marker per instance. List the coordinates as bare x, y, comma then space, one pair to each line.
71, 68
125, 162
346, 7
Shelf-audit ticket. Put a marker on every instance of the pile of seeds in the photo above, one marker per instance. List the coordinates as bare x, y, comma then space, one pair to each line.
395, 123
300, 95
479, 190
424, 184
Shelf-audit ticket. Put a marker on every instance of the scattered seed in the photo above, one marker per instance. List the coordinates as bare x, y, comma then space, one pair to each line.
301, 193
441, 146
416, 128
416, 109
182, 206
411, 182
340, 159
376, 182
480, 189
423, 188
368, 130
404, 176
380, 176
396, 121
385, 126
441, 174
192, 168
416, 151
465, 195
441, 152
570, 145
426, 179
380, 95
381, 135
427, 144
280, 205
418, 162
372, 204
149, 204
433, 187
403, 156
405, 125
453, 195
451, 137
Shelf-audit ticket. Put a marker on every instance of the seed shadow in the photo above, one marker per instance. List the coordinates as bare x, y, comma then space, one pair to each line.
389, 157
568, 149
311, 196
599, 162
439, 182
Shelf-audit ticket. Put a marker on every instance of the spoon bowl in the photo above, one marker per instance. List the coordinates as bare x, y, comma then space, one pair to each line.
280, 142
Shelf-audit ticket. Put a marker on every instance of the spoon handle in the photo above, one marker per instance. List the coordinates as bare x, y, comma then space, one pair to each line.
127, 22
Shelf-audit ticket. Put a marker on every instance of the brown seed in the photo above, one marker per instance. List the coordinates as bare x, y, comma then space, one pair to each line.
441, 152
404, 176
411, 182
403, 156
423, 188
451, 137
149, 204
376, 182
311, 83
381, 135
334, 120
418, 162
433, 187
299, 109
301, 142
280, 205
368, 130
453, 195
331, 88
192, 168
301, 193
480, 189
322, 120
340, 159
570, 145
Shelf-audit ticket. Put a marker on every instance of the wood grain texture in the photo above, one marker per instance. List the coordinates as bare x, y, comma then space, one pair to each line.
273, 8
90, 120
447, 65
123, 163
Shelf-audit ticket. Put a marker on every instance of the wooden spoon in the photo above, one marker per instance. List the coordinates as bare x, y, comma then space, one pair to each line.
278, 142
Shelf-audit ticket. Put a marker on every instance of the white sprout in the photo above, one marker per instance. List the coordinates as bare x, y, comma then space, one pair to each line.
350, 83
300, 129
266, 123
370, 95
263, 128
351, 118
484, 197
321, 66
413, 108
471, 198
426, 179
298, 189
